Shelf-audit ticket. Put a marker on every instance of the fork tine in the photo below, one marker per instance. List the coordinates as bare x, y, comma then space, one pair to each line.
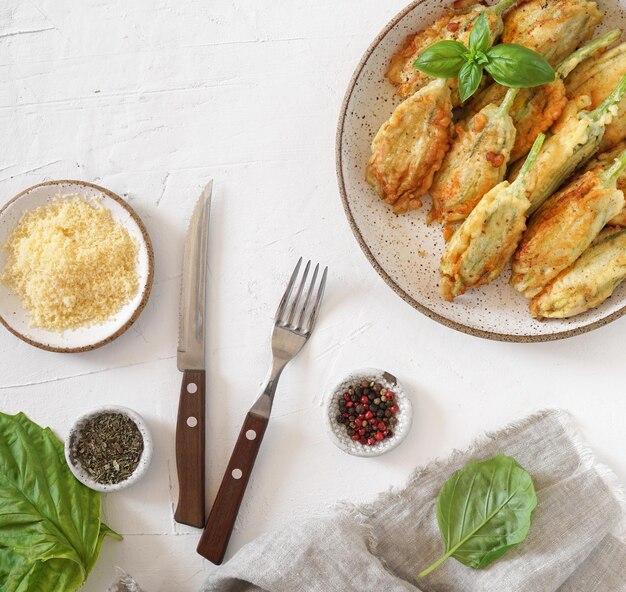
287, 294
316, 306
307, 300
296, 300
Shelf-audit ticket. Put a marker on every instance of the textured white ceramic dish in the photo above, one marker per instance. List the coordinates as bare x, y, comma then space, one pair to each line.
338, 432
12, 313
403, 249
144, 462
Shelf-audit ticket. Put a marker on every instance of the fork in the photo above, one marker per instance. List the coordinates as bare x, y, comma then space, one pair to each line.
293, 324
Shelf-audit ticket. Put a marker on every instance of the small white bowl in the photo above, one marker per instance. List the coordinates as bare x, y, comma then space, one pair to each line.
12, 313
338, 431
144, 461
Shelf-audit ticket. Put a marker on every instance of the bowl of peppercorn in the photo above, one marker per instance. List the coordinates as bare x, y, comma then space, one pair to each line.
109, 449
368, 412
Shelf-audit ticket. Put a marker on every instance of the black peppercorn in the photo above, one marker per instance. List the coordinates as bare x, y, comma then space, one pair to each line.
368, 410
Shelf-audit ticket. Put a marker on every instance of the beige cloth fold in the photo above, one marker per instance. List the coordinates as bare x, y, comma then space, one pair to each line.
575, 544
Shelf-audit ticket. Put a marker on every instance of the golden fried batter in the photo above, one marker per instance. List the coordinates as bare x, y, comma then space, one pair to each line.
572, 145
536, 109
409, 148
475, 164
533, 111
480, 249
452, 25
588, 282
596, 77
401, 72
570, 112
565, 226
553, 28
604, 162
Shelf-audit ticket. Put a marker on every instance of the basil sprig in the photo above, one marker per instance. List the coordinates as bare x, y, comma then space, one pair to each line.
508, 64
483, 510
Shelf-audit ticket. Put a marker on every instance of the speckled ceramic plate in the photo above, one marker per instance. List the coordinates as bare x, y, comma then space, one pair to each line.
12, 313
403, 249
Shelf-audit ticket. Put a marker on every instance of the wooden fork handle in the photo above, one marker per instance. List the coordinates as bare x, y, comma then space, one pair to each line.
190, 451
223, 514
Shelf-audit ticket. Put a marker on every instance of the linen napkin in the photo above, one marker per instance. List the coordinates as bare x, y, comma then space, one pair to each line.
576, 543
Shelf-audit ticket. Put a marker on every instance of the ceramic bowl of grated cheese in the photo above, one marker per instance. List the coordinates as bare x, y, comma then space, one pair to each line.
76, 266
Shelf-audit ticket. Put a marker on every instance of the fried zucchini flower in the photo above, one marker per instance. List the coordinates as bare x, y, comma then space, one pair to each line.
482, 246
595, 78
589, 282
475, 164
410, 146
536, 109
553, 28
603, 162
565, 225
453, 25
576, 140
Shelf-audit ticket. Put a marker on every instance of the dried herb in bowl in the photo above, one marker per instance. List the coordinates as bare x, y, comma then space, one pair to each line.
108, 447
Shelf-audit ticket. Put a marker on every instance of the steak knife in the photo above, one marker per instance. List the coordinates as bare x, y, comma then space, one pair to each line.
190, 425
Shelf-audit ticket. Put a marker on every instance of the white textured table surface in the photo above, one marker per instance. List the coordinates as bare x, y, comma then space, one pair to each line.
150, 99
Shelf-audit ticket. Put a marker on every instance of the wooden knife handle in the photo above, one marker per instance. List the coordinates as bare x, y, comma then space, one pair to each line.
223, 514
190, 450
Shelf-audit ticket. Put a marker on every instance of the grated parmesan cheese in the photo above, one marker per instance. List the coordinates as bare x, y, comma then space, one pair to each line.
71, 264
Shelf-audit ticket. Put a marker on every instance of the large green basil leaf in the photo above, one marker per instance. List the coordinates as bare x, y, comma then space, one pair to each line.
483, 510
441, 60
48, 519
480, 36
18, 575
469, 79
517, 66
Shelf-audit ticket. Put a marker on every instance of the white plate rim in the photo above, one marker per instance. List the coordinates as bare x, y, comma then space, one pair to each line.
378, 267
149, 280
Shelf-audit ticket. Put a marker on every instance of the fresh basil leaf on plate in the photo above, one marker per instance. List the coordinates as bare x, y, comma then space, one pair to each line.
517, 66
511, 65
442, 60
50, 528
484, 510
480, 36
469, 79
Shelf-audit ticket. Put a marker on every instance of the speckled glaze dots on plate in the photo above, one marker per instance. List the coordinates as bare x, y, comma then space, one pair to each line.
404, 250
338, 433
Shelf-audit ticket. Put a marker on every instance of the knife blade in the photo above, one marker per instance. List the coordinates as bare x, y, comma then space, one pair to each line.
191, 360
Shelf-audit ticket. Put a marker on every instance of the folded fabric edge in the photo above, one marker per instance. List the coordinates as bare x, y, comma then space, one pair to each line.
589, 462
359, 513
474, 447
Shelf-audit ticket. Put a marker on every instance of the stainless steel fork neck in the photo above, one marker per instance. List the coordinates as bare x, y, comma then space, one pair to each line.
263, 405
